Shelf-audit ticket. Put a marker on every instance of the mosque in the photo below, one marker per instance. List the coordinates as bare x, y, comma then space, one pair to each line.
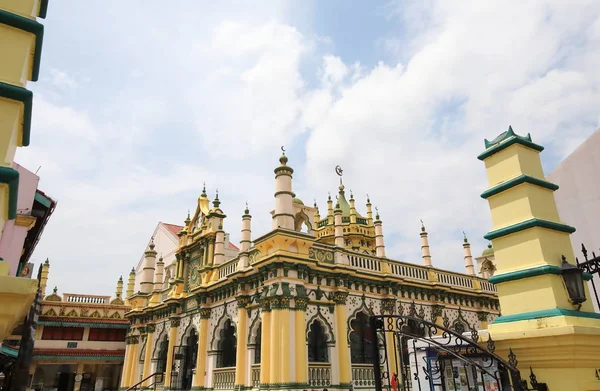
289, 308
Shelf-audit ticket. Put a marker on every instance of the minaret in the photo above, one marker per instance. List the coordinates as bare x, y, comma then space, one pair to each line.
158, 276
426, 255
283, 216
369, 211
317, 215
469, 268
246, 240
147, 282
379, 247
352, 209
130, 283
338, 229
44, 277
330, 219
119, 291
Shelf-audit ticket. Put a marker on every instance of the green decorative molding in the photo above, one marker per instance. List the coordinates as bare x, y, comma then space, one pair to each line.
504, 141
532, 223
10, 351
532, 272
509, 184
546, 314
24, 96
31, 26
10, 176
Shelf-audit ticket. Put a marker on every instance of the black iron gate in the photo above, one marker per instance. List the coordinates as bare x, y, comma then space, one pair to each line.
591, 266
414, 354
178, 367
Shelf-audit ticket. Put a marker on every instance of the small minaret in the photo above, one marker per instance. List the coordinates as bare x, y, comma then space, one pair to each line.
469, 268
317, 215
330, 219
425, 246
369, 211
352, 209
379, 247
338, 229
246, 240
283, 216
130, 283
158, 276
44, 277
119, 291
147, 282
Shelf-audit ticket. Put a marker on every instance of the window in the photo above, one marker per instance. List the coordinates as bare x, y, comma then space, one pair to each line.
317, 343
257, 345
361, 340
163, 349
63, 333
227, 346
107, 335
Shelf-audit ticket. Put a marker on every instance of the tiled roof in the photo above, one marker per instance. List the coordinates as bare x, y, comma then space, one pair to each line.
233, 246
174, 229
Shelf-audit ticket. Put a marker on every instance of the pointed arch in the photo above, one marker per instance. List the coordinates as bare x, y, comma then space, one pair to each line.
361, 338
460, 325
226, 344
301, 219
317, 342
326, 326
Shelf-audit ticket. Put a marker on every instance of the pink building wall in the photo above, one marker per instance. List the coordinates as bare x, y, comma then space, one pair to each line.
13, 236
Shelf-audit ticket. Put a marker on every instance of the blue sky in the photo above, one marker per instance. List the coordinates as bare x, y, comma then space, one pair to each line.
139, 104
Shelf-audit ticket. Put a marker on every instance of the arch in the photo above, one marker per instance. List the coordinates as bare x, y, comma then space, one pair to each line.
187, 332
162, 351
317, 342
487, 269
362, 308
361, 339
326, 325
227, 345
301, 219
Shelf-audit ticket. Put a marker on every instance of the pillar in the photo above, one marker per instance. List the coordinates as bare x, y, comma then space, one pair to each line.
219, 245
341, 331
283, 215
275, 343
301, 351
379, 247
242, 343
469, 267
265, 348
558, 339
129, 350
79, 371
159, 275
148, 353
338, 229
425, 254
44, 278
174, 323
285, 342
147, 283
202, 348
134, 343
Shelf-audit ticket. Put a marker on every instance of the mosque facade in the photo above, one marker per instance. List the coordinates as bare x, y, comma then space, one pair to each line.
290, 309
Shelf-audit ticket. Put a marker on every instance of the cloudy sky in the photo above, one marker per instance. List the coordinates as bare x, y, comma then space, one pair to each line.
139, 103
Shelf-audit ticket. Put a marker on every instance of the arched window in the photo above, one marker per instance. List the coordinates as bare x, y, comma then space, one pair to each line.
191, 354
317, 343
163, 350
361, 340
257, 344
227, 346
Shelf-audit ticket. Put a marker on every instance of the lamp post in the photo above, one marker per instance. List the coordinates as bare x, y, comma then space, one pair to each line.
573, 278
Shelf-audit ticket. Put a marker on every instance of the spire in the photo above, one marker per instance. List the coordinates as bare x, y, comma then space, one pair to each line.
216, 201
425, 254
317, 215
203, 190
119, 291
149, 265
44, 277
246, 239
329, 205
158, 275
369, 211
187, 219
469, 268
130, 283
379, 246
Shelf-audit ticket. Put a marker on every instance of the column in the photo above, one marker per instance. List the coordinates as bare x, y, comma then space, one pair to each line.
265, 348
202, 348
77, 385
148, 353
285, 355
134, 341
242, 343
126, 371
275, 337
174, 323
300, 340
342, 340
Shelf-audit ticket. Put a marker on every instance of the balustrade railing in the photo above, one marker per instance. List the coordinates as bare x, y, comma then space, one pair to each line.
224, 378
363, 376
452, 279
88, 299
487, 286
412, 272
255, 375
319, 375
364, 263
228, 268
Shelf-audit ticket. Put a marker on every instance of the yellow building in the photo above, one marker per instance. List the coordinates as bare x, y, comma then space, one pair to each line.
290, 310
20, 50
79, 341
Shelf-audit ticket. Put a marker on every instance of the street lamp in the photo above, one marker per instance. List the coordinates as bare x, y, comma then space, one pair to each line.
573, 278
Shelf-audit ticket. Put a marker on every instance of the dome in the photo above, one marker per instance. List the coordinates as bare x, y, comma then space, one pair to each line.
297, 201
489, 251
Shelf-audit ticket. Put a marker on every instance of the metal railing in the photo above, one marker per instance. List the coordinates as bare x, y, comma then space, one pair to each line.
151, 382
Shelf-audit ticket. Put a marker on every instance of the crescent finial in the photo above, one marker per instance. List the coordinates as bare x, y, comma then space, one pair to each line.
282, 149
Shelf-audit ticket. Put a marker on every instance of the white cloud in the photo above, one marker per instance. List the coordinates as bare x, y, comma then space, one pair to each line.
228, 88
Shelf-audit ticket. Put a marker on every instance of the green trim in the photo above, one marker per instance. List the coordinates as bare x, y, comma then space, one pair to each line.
24, 96
10, 351
30, 26
527, 224
10, 176
504, 141
532, 272
509, 184
39, 197
84, 324
546, 314
43, 9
